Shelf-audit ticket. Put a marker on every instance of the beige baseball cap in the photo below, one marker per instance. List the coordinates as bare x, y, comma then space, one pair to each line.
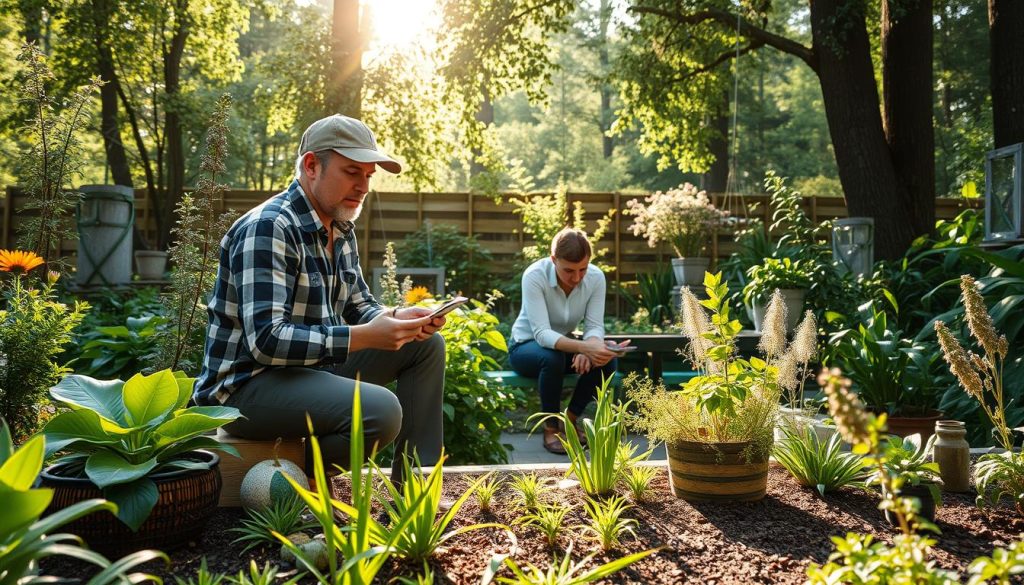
349, 138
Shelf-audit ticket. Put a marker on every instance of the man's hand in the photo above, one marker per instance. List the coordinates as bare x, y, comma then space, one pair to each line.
387, 332
596, 351
418, 312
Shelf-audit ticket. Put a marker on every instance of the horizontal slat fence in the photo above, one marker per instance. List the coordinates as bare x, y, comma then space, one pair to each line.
392, 216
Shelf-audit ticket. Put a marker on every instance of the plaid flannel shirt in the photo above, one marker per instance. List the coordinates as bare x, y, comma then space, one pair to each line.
279, 300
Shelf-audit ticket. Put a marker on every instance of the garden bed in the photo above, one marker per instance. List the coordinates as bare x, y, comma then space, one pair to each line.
771, 541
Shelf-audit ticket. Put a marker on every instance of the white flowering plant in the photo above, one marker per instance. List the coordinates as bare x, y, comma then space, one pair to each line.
684, 218
734, 398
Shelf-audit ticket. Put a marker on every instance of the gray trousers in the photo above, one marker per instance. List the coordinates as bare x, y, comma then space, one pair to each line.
275, 404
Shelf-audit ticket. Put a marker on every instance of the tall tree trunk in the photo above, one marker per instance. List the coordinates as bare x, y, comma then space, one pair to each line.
485, 116
907, 103
716, 179
173, 131
117, 159
848, 88
1006, 38
345, 86
605, 18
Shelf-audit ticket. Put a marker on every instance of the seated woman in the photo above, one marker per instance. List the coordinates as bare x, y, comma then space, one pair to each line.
559, 292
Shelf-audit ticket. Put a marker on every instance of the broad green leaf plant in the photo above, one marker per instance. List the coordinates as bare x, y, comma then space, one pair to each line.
119, 434
25, 539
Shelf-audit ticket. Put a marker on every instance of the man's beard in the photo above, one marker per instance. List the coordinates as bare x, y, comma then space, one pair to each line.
343, 214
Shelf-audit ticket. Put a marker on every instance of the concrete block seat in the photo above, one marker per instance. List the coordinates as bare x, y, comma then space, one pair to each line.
233, 469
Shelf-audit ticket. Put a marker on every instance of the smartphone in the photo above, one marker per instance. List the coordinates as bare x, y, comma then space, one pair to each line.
449, 306
622, 350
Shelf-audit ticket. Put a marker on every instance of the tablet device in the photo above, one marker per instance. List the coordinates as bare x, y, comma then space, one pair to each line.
449, 306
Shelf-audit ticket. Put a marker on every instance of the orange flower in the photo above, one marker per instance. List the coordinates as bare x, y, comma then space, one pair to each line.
417, 294
18, 261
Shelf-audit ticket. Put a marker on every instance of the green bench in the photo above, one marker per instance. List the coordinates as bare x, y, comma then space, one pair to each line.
510, 378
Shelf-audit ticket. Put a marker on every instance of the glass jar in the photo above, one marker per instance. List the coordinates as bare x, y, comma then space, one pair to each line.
953, 454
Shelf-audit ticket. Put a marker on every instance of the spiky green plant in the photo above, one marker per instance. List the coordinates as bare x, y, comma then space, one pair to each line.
265, 576
637, 479
549, 519
415, 506
202, 577
530, 489
607, 525
815, 463
284, 516
598, 468
562, 571
487, 490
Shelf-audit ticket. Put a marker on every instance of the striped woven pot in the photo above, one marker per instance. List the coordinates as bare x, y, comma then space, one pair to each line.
187, 499
715, 472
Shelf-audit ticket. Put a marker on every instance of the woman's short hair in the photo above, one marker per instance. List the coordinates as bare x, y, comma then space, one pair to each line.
571, 245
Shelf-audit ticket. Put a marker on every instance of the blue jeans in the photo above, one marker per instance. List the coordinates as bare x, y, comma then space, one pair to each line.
550, 367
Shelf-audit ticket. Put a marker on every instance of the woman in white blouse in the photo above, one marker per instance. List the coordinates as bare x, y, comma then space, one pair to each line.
558, 293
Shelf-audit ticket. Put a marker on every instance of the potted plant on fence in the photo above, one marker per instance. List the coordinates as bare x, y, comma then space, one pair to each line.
791, 278
136, 444
684, 218
890, 374
718, 431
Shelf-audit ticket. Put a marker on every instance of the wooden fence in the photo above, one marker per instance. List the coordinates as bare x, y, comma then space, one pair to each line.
392, 216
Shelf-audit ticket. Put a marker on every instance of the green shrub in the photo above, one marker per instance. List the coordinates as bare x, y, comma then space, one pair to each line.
34, 327
464, 260
118, 351
474, 407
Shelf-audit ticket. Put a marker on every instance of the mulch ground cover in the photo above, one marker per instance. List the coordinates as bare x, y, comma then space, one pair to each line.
770, 541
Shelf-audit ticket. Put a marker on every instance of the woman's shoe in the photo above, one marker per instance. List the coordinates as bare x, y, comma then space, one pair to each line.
553, 441
580, 433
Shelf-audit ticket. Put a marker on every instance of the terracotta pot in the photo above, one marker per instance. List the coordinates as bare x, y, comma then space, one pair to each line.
187, 498
903, 426
716, 472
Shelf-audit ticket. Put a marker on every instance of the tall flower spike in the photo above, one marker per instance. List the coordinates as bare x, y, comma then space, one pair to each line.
773, 331
788, 373
846, 409
695, 323
979, 321
959, 362
805, 340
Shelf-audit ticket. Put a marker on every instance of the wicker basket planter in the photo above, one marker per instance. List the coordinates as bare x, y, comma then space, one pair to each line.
187, 498
715, 472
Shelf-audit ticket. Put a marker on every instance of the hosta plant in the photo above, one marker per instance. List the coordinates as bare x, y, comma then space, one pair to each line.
815, 463
25, 539
118, 434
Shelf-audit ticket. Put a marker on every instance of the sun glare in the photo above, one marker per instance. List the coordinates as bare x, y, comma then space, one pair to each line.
399, 24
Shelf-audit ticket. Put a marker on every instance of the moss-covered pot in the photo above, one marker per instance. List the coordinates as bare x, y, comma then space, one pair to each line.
187, 499
716, 472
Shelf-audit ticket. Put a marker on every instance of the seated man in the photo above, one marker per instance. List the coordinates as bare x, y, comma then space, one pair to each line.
559, 292
293, 325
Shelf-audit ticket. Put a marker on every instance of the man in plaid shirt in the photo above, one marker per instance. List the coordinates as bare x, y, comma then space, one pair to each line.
293, 324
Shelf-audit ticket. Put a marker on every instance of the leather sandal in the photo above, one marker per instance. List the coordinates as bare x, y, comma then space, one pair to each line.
580, 433
552, 441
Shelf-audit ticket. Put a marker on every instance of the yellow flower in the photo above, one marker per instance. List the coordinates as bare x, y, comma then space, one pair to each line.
18, 261
417, 294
